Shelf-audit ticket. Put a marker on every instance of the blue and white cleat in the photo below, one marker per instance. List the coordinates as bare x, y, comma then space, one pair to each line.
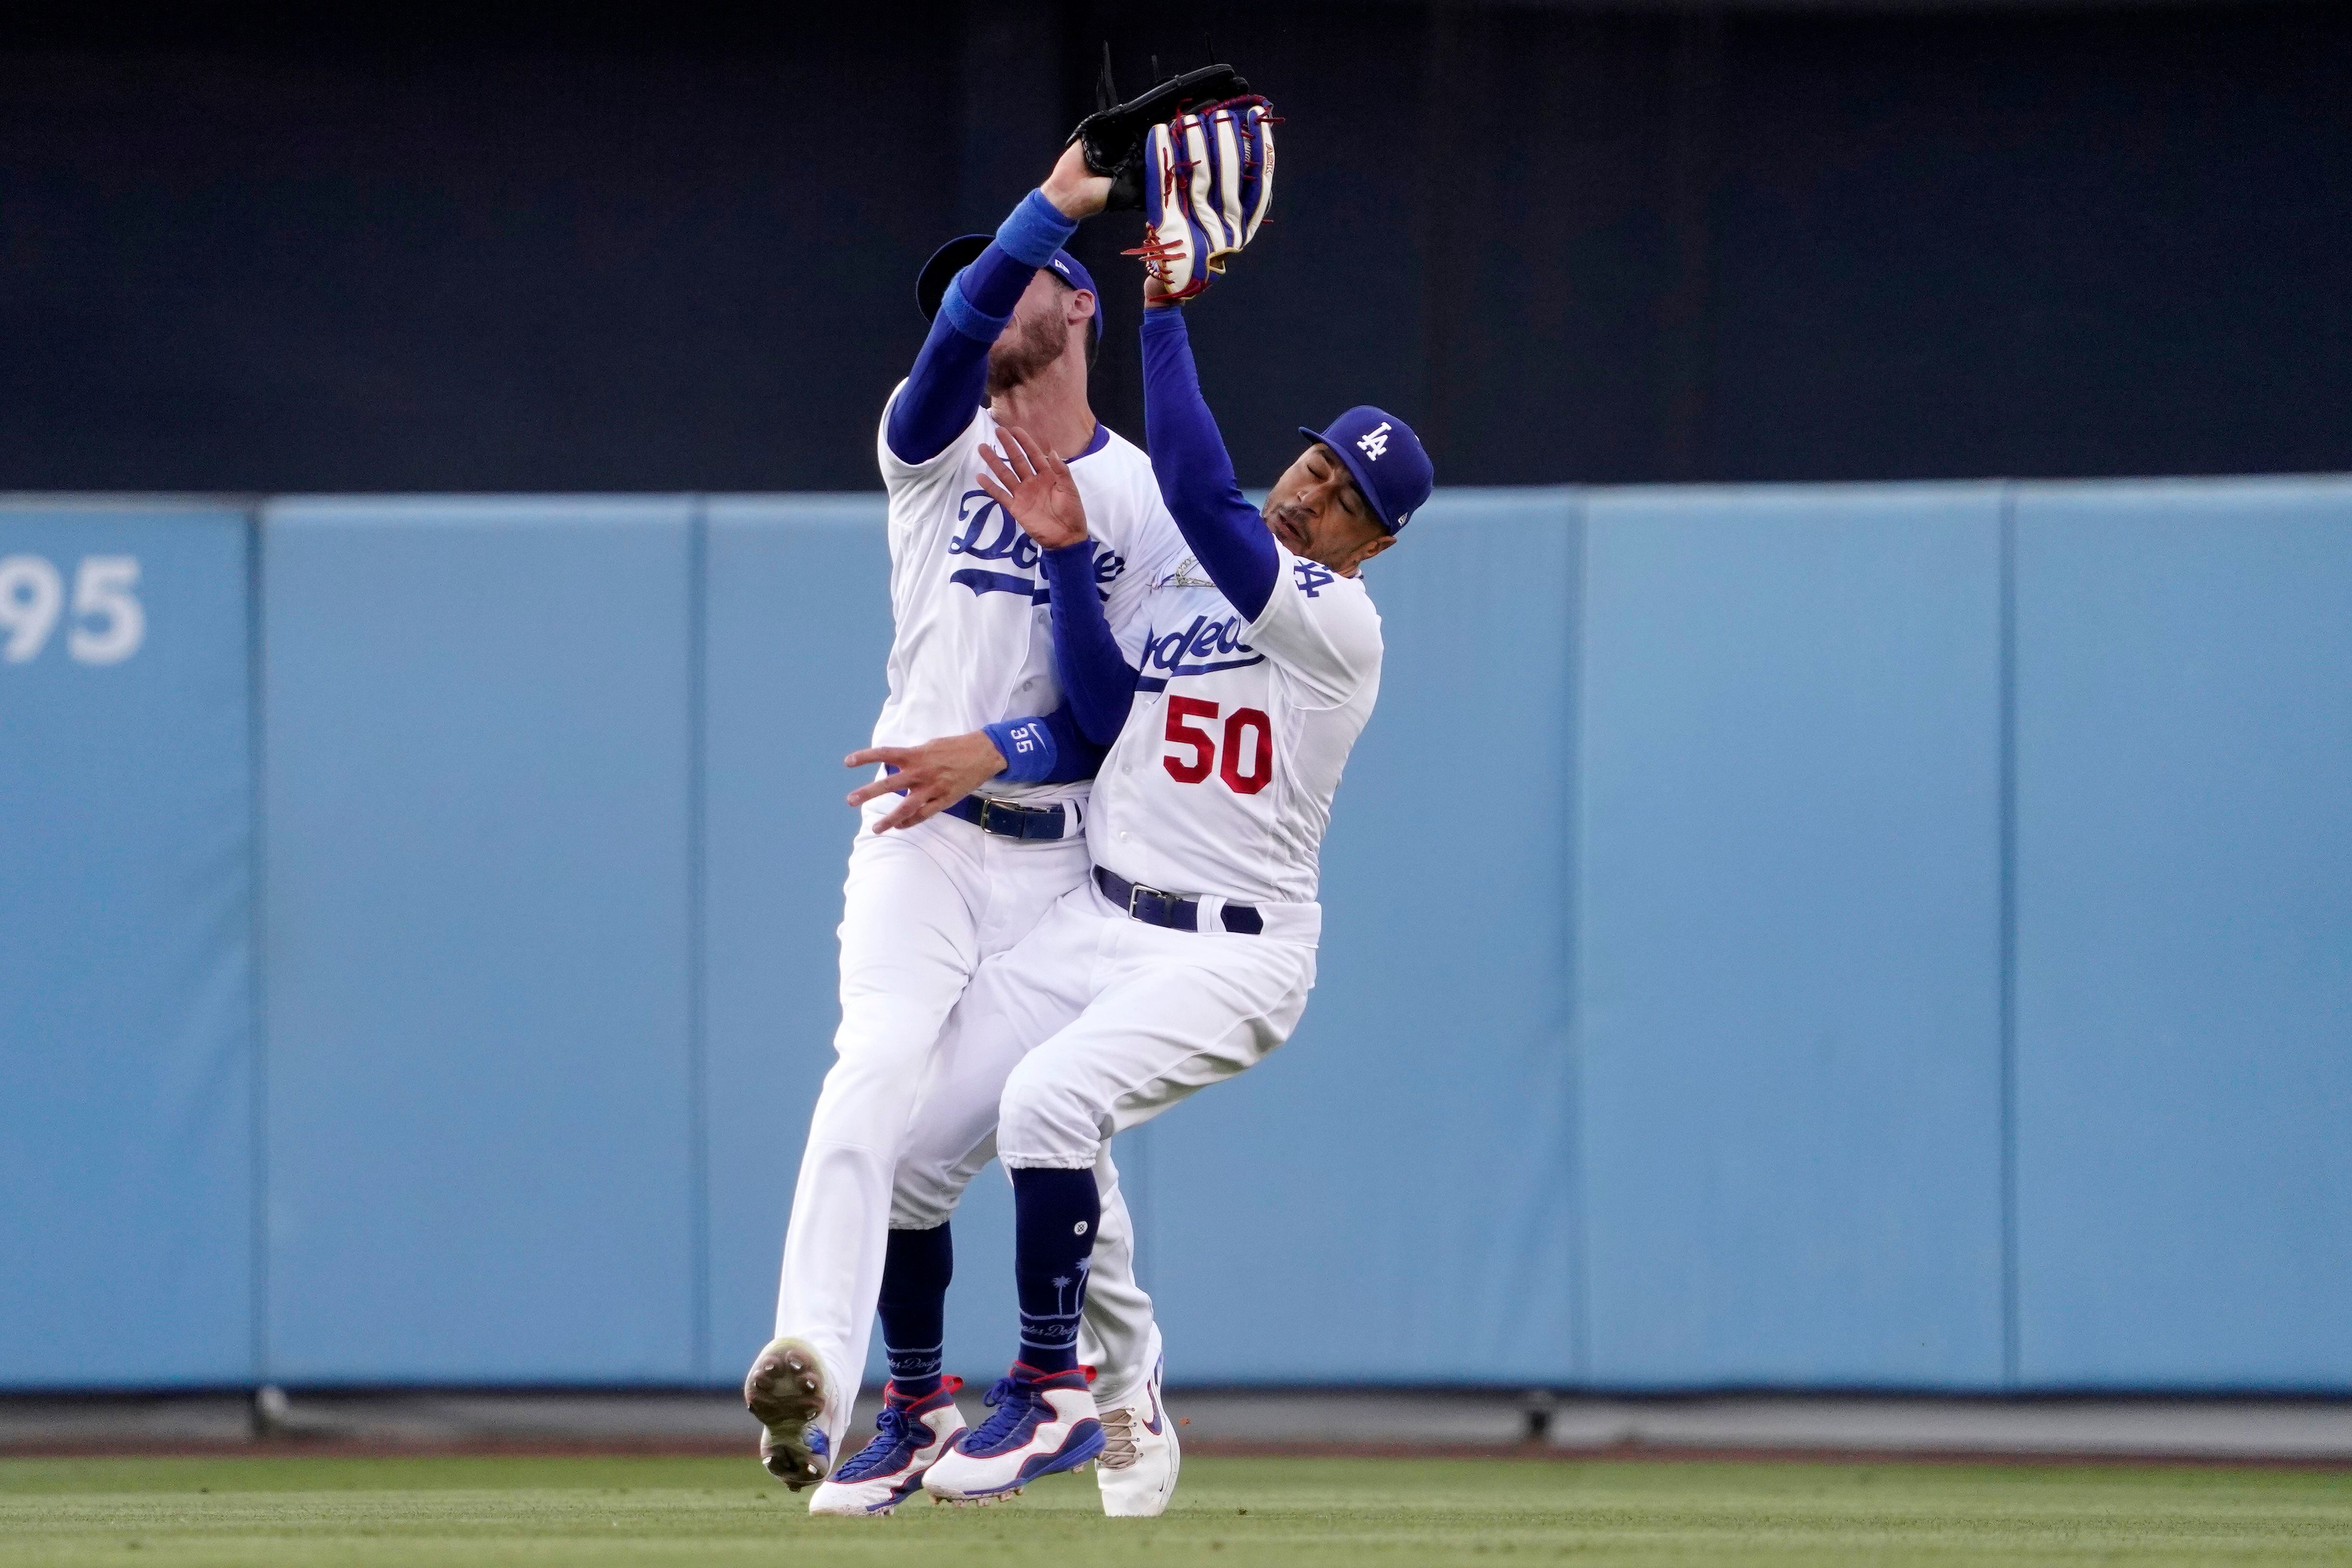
1137, 1468
908, 1438
1044, 1424
785, 1393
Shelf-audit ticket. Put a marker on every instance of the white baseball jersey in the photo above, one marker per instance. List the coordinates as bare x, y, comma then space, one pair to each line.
974, 638
1222, 782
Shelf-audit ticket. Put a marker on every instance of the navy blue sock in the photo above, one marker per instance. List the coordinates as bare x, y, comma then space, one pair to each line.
1055, 1216
915, 1274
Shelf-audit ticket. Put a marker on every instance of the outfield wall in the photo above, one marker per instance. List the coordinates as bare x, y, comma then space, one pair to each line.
1802, 937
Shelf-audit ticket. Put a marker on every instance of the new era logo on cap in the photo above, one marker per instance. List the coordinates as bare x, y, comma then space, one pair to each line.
1071, 271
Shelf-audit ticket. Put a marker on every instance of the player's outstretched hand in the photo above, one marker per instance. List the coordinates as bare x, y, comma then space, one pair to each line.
933, 776
1035, 488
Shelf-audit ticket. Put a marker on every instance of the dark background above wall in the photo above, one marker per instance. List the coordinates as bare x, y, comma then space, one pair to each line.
424, 246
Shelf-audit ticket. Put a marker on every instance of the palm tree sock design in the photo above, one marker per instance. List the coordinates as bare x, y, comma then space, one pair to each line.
1055, 1216
915, 1273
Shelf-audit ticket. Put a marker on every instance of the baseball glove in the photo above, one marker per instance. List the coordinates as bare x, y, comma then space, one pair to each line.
1208, 180
1114, 134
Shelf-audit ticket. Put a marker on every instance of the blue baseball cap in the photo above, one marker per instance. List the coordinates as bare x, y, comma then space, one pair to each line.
959, 253
1387, 459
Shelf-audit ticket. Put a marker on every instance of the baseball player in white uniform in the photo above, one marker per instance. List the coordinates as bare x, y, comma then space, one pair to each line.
930, 897
1187, 956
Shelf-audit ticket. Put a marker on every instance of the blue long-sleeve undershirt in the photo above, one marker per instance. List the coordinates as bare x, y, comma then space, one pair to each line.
1095, 675
950, 375
1228, 536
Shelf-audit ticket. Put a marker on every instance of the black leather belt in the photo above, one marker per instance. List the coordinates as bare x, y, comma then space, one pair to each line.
1007, 820
1154, 907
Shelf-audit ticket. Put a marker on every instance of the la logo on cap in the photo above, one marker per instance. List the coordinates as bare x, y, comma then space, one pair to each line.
1376, 440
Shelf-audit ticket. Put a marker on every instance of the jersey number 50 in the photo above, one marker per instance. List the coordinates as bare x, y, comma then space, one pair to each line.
1227, 759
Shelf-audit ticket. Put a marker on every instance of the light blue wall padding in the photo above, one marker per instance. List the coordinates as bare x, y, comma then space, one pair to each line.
126, 1005
2184, 935
1659, 1041
1387, 1196
1790, 922
478, 812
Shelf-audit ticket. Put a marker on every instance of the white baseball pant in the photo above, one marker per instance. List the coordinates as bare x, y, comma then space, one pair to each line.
923, 907
1095, 1022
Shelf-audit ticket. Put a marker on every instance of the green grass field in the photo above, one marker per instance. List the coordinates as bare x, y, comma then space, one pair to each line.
1231, 1512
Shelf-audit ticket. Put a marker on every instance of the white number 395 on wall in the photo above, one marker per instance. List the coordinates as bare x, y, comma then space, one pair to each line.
109, 623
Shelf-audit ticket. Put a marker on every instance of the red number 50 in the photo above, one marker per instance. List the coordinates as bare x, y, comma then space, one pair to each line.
1184, 733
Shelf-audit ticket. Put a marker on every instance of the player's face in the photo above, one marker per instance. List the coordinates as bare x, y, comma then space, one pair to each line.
1318, 513
1049, 318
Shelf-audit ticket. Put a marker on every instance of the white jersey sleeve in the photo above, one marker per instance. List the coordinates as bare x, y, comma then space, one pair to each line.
1321, 628
940, 472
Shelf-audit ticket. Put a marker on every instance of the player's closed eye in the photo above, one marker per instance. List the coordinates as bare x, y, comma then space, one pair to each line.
1320, 473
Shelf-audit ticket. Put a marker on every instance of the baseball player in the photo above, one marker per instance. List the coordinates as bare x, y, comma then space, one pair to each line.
1187, 955
1014, 323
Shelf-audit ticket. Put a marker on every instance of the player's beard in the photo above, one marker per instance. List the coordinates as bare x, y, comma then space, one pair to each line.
1026, 354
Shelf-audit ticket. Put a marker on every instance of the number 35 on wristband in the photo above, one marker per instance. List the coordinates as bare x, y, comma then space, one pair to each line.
1245, 760
108, 622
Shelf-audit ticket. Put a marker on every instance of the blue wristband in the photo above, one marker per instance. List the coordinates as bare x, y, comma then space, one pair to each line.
1035, 230
1028, 749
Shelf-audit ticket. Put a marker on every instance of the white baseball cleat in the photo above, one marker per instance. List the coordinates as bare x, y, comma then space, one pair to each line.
1137, 1468
1045, 1422
785, 1393
910, 1435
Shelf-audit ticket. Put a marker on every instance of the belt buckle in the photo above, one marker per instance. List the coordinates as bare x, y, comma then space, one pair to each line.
1018, 829
1136, 890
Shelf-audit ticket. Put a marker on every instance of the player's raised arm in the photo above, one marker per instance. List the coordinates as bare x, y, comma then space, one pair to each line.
950, 380
1034, 486
1339, 504
1228, 536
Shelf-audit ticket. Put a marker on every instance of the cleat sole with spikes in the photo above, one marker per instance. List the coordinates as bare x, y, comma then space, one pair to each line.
785, 1393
